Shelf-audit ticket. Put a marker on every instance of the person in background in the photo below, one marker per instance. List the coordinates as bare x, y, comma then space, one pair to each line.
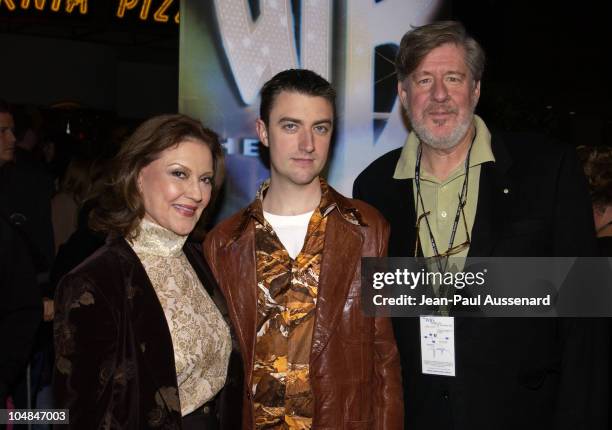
25, 193
20, 308
27, 131
597, 163
7, 134
140, 339
83, 241
75, 187
20, 304
25, 198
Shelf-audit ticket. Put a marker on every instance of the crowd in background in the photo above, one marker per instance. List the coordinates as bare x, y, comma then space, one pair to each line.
51, 162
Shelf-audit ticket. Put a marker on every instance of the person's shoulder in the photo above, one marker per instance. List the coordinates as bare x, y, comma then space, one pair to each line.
383, 166
106, 276
95, 288
225, 228
103, 264
367, 214
372, 226
534, 155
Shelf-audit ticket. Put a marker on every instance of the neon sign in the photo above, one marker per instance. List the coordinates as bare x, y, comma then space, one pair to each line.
143, 10
160, 14
55, 5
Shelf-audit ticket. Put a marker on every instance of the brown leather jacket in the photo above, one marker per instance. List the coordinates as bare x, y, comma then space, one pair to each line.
354, 363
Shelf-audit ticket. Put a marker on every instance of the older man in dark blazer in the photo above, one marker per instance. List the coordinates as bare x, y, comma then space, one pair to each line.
519, 196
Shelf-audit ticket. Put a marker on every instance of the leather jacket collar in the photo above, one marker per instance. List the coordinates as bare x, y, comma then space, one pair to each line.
330, 200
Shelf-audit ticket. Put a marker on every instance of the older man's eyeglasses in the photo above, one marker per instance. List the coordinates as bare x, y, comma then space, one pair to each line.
453, 250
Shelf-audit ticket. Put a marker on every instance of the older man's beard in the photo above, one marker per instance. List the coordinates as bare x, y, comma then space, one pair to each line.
441, 142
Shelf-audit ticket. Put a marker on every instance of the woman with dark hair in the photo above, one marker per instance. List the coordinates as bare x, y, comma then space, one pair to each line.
140, 338
597, 163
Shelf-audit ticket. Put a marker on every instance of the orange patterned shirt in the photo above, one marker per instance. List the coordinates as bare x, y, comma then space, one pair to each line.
286, 303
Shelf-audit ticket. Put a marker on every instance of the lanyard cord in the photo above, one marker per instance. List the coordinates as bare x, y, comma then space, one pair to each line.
460, 205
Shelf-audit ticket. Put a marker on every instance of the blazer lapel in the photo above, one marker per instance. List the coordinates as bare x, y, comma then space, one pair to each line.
493, 202
341, 259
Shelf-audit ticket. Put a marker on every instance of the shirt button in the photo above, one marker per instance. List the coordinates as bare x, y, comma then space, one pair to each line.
443, 214
445, 395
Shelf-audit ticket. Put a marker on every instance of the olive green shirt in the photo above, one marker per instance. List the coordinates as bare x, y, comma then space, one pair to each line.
441, 198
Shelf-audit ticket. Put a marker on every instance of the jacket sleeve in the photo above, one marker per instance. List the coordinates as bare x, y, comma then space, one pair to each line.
85, 337
389, 404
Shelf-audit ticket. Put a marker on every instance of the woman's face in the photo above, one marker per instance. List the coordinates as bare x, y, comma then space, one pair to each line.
176, 187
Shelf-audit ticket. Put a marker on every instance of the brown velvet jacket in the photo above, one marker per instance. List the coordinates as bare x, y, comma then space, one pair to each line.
114, 366
354, 363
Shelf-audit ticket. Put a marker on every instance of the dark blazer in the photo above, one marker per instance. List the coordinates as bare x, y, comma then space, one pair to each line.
511, 372
20, 306
114, 357
25, 197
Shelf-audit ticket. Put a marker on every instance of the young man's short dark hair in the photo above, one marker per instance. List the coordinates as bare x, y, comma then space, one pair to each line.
301, 81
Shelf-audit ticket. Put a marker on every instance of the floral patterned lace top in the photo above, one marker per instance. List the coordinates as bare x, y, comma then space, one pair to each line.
200, 336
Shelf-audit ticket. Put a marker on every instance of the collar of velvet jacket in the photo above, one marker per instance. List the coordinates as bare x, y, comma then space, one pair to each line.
330, 200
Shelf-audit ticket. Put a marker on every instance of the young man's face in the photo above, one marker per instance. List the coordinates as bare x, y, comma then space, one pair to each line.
298, 136
7, 137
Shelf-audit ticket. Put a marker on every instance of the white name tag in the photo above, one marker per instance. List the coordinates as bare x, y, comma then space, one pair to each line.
438, 345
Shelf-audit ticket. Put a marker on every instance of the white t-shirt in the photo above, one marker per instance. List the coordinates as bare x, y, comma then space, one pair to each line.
290, 229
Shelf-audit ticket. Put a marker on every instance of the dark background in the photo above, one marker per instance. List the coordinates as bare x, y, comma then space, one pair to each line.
547, 66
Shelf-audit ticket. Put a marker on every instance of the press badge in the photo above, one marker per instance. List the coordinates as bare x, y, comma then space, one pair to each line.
438, 345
